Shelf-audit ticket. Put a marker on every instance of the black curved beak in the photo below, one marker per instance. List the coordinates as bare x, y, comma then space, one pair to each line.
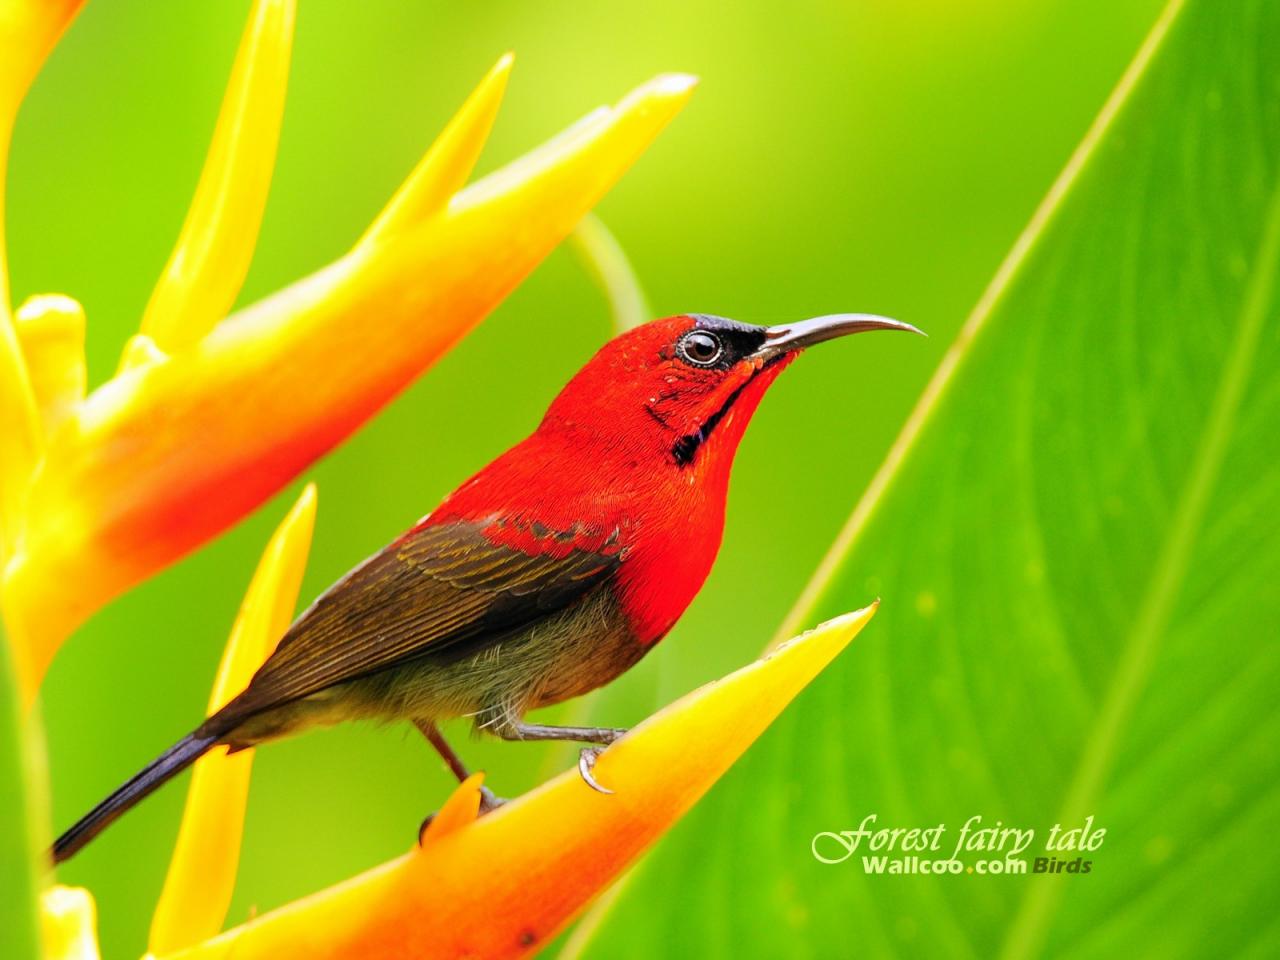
786, 337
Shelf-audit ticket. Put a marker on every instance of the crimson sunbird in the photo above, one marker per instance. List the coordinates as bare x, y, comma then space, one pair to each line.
546, 575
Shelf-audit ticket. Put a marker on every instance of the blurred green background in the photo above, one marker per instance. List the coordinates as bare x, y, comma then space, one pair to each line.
876, 156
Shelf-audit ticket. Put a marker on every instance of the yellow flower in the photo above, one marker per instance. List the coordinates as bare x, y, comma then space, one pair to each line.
208, 417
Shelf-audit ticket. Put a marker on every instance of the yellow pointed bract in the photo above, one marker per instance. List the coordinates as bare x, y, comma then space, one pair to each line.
207, 267
444, 168
558, 846
458, 811
140, 349
172, 452
50, 329
69, 924
201, 878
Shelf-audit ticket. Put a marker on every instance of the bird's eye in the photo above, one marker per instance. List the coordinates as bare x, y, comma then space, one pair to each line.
701, 348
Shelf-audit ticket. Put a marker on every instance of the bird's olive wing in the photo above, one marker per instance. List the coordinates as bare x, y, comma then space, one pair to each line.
445, 591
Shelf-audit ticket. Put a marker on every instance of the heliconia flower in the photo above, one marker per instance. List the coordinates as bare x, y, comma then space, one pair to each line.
558, 847
208, 417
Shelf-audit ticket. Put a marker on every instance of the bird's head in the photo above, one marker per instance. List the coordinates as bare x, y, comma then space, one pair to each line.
684, 387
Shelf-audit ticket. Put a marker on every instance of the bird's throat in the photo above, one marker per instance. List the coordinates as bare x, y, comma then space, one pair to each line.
687, 447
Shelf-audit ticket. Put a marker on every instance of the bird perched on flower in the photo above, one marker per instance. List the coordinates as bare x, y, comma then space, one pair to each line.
546, 575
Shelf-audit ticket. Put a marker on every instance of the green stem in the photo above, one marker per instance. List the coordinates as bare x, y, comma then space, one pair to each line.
607, 262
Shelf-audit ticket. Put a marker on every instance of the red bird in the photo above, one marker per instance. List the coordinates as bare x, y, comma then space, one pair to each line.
547, 574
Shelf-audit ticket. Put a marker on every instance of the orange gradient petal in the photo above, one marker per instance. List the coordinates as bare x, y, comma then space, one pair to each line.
202, 873
504, 885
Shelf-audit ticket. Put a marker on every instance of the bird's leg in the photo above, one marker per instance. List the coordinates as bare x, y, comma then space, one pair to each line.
603, 736
437, 740
488, 799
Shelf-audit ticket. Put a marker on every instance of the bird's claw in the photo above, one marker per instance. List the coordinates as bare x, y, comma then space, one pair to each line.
489, 801
587, 763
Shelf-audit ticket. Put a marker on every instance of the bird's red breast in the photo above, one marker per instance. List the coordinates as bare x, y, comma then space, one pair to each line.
604, 473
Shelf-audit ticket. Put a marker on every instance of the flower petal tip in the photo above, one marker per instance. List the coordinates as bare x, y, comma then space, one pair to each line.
307, 501
211, 258
837, 631
845, 621
69, 923
670, 88
675, 84
140, 350
462, 808
50, 328
446, 165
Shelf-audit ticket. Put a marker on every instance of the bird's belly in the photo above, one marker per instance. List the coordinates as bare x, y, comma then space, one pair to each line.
581, 651
565, 655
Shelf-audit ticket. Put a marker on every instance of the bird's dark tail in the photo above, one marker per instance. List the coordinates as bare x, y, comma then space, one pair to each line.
169, 764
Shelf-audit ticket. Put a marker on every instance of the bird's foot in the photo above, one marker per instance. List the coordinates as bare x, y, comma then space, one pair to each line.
598, 737
489, 801
586, 764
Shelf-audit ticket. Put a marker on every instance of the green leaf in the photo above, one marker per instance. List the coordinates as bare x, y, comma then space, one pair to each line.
1077, 545
19, 930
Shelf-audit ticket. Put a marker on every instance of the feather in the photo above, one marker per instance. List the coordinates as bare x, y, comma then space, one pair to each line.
443, 592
